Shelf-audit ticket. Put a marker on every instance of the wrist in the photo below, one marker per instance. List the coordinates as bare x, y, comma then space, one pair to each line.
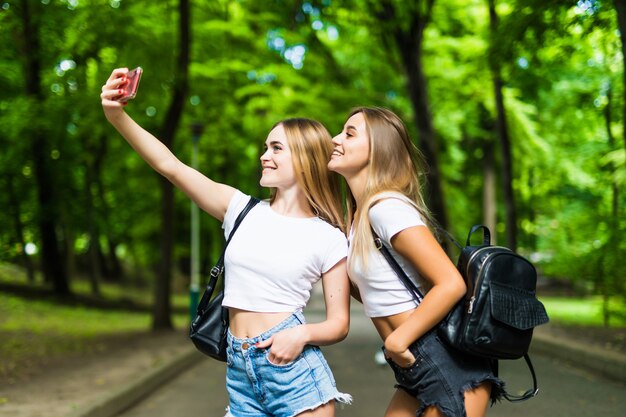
305, 334
113, 114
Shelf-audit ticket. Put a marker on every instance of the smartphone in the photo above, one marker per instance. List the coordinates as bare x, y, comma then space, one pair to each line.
130, 89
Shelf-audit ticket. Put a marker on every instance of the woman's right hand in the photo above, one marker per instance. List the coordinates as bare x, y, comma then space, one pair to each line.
404, 359
112, 90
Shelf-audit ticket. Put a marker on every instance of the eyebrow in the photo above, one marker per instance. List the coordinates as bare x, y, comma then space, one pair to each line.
276, 142
350, 127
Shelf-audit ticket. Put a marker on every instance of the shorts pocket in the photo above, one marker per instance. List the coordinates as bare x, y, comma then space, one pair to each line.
409, 377
283, 366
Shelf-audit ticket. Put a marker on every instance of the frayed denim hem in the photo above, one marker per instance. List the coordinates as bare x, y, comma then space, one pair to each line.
497, 392
343, 398
497, 388
339, 397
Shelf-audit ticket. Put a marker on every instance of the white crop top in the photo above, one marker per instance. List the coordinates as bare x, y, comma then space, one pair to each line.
273, 260
381, 290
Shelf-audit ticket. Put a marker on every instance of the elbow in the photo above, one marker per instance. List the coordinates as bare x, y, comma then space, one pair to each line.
458, 288
341, 330
343, 333
169, 168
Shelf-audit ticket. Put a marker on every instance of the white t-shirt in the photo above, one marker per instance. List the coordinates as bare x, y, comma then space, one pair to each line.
273, 260
381, 290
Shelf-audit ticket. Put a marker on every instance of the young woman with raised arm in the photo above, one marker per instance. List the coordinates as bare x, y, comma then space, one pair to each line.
283, 247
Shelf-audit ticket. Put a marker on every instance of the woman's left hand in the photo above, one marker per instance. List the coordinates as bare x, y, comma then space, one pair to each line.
284, 346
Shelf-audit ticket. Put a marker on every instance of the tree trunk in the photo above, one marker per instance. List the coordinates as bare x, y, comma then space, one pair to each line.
15, 207
111, 266
503, 136
409, 42
608, 120
52, 262
489, 190
609, 278
620, 6
95, 267
162, 308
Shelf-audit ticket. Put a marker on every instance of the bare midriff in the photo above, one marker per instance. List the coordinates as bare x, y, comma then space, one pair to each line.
386, 325
247, 324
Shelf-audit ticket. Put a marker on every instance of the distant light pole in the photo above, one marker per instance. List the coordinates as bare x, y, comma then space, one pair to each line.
194, 285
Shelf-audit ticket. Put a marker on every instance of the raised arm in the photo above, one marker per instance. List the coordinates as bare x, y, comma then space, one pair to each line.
209, 195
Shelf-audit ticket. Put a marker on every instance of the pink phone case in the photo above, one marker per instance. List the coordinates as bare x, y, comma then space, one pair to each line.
130, 90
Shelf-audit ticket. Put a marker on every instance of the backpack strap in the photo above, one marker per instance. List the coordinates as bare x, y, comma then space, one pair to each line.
219, 267
530, 393
217, 270
410, 285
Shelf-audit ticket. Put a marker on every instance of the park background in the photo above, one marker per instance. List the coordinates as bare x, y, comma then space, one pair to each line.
518, 106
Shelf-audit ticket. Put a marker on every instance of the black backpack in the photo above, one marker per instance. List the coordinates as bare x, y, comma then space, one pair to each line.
495, 319
497, 316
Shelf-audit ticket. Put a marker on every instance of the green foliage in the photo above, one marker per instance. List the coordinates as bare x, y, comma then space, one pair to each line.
255, 63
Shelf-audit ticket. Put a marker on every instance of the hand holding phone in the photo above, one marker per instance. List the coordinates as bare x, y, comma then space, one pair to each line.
132, 83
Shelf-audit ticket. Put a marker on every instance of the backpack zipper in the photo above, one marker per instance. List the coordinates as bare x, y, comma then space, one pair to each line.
470, 307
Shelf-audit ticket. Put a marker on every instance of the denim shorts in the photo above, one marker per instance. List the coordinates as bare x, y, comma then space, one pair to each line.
258, 388
441, 375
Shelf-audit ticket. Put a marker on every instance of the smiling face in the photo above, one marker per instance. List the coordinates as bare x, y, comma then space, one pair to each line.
276, 161
350, 156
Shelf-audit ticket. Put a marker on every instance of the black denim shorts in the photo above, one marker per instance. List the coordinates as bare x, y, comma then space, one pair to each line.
441, 375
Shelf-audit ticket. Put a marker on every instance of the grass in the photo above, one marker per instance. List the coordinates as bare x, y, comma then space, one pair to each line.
584, 311
36, 330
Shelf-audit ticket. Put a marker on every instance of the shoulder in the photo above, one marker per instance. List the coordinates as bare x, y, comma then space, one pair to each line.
390, 206
237, 203
392, 213
328, 230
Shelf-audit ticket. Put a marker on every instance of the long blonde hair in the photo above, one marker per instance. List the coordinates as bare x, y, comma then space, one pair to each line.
395, 165
311, 147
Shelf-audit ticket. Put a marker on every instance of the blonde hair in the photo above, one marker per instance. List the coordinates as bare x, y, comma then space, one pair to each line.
311, 147
395, 165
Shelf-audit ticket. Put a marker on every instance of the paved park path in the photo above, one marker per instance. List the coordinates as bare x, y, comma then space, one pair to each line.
564, 390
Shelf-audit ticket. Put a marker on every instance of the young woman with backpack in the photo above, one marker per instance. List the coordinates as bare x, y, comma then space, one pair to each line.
382, 168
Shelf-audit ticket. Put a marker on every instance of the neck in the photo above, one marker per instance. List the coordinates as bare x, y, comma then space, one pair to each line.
356, 184
292, 202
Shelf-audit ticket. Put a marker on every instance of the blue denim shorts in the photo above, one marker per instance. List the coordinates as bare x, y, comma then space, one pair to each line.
258, 388
441, 375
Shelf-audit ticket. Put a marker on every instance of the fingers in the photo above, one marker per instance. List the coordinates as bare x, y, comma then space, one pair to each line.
118, 73
265, 343
113, 89
277, 358
404, 359
110, 96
